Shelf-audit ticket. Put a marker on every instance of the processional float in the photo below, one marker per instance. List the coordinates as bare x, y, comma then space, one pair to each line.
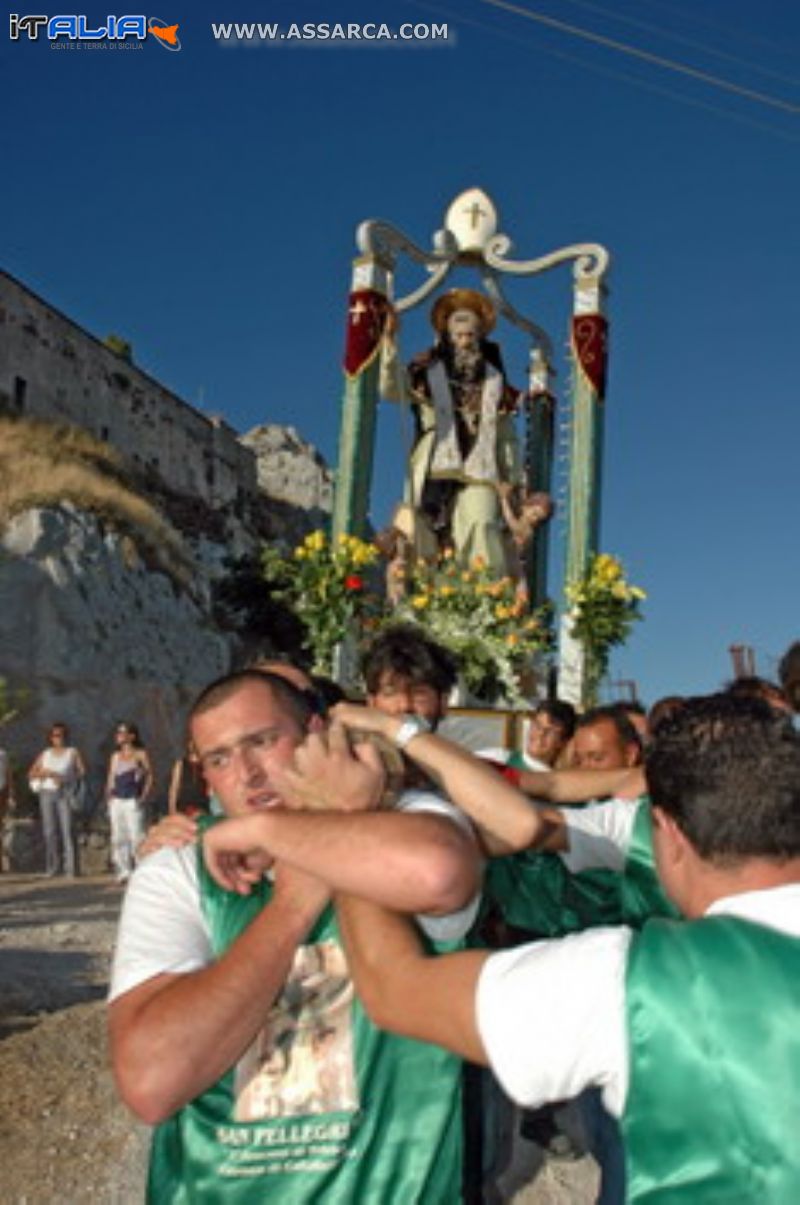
470, 239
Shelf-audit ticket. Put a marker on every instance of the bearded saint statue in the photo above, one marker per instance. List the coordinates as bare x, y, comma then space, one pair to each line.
466, 445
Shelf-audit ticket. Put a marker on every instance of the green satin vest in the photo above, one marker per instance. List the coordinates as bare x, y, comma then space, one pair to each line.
713, 1109
536, 891
398, 1143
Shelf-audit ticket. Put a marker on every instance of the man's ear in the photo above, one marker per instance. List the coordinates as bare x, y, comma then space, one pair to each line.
316, 724
674, 844
633, 754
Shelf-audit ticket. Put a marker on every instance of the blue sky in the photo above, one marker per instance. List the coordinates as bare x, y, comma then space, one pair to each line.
203, 205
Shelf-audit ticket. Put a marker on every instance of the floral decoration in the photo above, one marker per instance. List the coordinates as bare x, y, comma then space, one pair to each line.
603, 608
324, 582
483, 620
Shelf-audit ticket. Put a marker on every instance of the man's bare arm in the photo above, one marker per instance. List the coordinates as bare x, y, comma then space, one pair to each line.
175, 1035
507, 819
412, 861
405, 991
505, 815
566, 787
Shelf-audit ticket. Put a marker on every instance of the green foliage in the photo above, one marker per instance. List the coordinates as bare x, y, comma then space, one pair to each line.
43, 464
324, 584
484, 621
120, 347
245, 603
13, 700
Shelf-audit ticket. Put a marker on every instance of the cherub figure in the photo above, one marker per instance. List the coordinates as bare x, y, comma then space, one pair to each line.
523, 510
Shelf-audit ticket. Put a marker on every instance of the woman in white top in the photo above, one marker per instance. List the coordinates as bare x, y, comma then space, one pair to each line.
53, 777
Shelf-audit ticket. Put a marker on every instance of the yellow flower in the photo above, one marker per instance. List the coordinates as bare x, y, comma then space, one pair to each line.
620, 590
301, 553
636, 592
478, 564
420, 601
466, 576
447, 555
447, 591
512, 639
316, 541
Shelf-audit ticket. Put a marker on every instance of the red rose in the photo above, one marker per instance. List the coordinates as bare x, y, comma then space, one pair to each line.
353, 582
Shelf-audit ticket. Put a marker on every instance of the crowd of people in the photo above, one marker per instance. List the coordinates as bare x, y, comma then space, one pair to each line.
306, 983
405, 963
58, 778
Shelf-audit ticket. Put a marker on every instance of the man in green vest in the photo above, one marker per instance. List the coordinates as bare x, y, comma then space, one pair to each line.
689, 1027
233, 1024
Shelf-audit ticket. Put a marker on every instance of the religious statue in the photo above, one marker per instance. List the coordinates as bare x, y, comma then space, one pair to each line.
466, 444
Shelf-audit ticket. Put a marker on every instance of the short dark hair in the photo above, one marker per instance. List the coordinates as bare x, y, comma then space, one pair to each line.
326, 693
750, 686
789, 673
407, 651
727, 770
132, 730
614, 714
560, 712
293, 700
662, 710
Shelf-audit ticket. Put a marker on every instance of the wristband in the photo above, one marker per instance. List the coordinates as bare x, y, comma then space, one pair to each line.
412, 725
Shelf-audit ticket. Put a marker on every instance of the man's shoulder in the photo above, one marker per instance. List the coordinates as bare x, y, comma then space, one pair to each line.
162, 929
169, 868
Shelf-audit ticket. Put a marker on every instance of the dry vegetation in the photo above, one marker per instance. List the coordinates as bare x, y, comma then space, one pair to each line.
43, 464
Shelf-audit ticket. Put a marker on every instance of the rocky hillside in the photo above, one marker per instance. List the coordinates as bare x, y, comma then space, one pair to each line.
92, 635
106, 585
296, 483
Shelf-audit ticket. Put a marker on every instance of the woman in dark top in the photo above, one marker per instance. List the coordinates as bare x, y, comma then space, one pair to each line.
129, 783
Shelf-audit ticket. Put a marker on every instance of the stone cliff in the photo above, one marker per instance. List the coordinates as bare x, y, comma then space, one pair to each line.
92, 635
93, 630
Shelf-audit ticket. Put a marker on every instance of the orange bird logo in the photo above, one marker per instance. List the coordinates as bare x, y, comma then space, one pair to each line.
167, 33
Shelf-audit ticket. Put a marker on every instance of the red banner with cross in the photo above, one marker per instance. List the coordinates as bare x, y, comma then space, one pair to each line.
366, 320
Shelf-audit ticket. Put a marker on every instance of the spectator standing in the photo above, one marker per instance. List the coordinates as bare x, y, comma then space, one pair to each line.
187, 791
128, 786
53, 777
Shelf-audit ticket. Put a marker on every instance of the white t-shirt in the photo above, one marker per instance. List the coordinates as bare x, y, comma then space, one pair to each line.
599, 835
503, 756
552, 1015
163, 930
